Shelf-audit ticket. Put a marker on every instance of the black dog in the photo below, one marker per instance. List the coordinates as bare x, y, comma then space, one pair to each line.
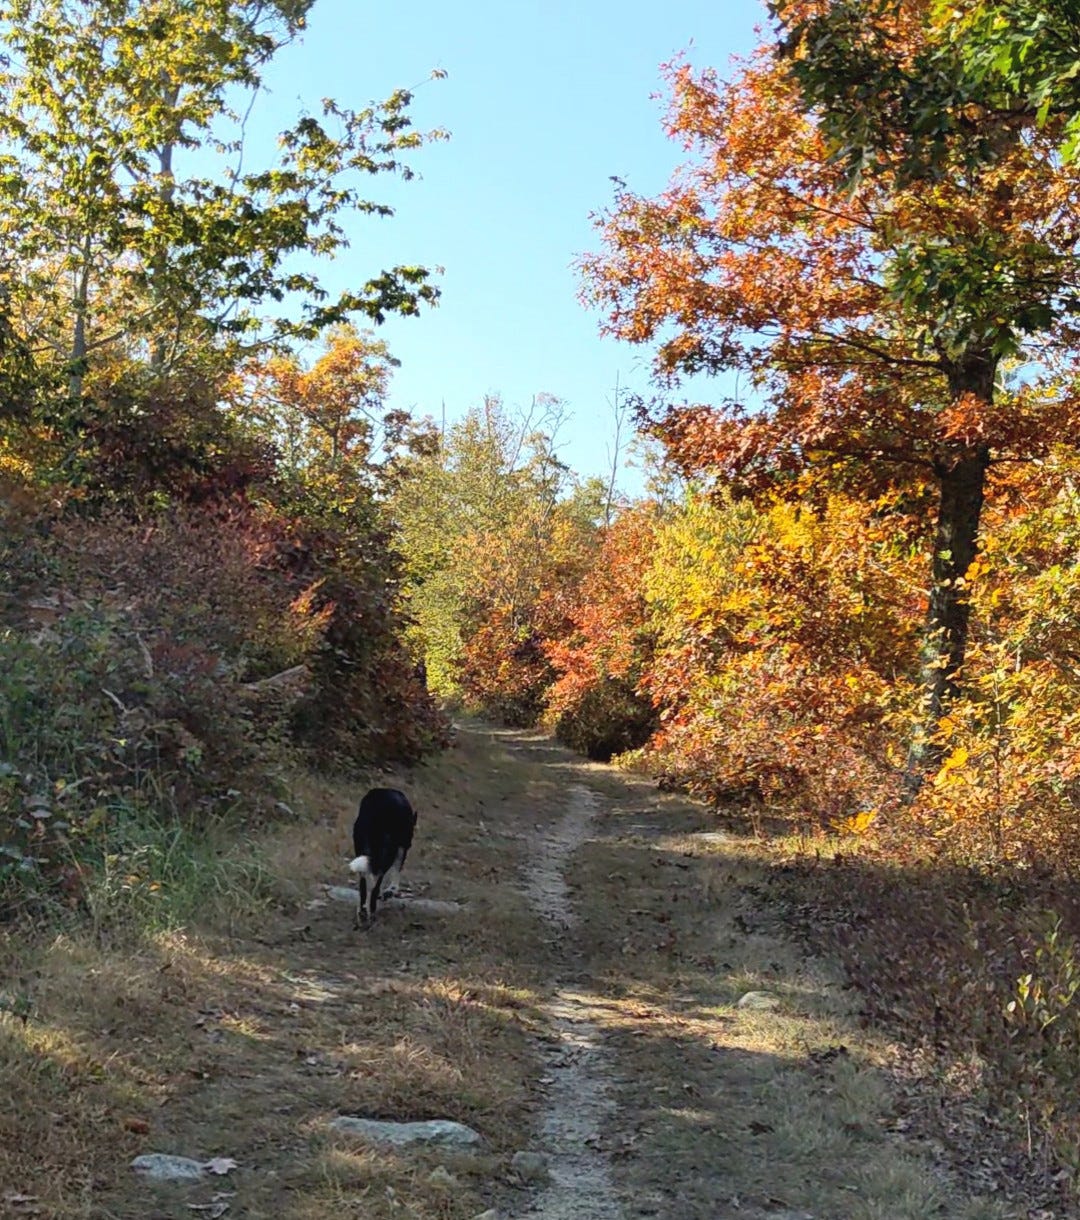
382, 836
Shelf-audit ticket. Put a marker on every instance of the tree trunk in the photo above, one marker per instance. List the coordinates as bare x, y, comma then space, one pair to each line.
955, 543
962, 480
80, 306
159, 262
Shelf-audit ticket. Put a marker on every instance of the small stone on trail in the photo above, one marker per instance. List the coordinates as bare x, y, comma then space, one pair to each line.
160, 1167
530, 1166
431, 906
340, 893
759, 1001
433, 1131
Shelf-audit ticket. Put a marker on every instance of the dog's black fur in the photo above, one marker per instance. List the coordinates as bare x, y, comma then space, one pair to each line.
382, 836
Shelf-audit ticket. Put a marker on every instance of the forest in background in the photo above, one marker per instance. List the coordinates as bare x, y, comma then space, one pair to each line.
846, 608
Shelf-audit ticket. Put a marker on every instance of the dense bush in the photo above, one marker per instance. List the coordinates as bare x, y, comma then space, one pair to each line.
597, 704
504, 671
175, 639
366, 701
609, 718
126, 684
142, 442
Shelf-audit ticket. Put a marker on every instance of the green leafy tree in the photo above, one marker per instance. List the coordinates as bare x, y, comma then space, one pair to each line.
982, 72
476, 518
108, 244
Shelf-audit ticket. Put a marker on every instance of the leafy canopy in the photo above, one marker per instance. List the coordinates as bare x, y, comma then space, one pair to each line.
111, 236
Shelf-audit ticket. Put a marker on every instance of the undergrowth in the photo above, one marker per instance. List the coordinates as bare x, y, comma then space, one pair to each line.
160, 678
979, 971
157, 875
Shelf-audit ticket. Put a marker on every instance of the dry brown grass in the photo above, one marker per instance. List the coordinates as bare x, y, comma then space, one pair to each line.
724, 1111
246, 1044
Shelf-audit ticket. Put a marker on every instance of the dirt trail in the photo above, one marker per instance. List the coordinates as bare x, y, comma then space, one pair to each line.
582, 1002
579, 1100
674, 1101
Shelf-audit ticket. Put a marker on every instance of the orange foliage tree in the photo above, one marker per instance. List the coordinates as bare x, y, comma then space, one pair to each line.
328, 420
780, 640
524, 578
600, 644
1009, 784
872, 319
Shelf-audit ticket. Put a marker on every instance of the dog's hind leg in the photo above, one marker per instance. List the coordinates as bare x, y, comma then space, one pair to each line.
392, 880
375, 890
361, 897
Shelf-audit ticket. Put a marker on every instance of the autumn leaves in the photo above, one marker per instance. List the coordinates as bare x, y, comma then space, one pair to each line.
847, 598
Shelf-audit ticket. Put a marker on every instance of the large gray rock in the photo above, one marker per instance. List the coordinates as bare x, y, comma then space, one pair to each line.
432, 1131
161, 1167
427, 906
759, 1001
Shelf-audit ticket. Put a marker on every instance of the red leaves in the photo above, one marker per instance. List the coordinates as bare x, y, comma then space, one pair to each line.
854, 312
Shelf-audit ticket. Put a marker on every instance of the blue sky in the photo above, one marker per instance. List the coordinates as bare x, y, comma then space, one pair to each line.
544, 102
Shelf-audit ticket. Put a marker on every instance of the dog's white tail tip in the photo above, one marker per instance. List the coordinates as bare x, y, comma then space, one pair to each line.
359, 865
